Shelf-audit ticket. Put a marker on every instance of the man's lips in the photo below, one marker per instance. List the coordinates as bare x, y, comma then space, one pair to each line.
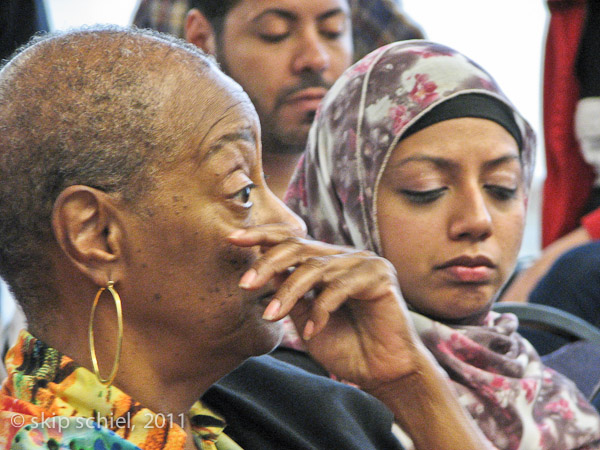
468, 269
312, 93
306, 99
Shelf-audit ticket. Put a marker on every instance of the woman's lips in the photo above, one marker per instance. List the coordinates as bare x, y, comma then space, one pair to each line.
469, 269
464, 274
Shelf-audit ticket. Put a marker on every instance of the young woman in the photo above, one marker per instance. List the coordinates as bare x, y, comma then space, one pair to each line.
418, 156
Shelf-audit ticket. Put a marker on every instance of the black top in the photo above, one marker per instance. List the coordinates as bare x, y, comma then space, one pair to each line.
271, 404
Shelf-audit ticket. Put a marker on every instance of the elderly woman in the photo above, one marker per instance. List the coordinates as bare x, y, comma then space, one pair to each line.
418, 156
150, 258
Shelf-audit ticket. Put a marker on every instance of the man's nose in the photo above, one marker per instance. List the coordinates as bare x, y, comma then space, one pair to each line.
312, 53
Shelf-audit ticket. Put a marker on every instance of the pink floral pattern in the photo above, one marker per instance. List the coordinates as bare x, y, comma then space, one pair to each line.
424, 91
360, 121
516, 401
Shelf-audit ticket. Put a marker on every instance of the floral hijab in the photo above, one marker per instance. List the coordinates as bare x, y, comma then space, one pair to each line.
498, 376
361, 120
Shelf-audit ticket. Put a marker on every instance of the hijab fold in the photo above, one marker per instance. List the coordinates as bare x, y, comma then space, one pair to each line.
516, 401
360, 121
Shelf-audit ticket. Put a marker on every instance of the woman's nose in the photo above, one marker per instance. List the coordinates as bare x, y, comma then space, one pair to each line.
471, 218
273, 210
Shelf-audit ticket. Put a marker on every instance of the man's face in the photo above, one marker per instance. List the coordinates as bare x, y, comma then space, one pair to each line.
286, 54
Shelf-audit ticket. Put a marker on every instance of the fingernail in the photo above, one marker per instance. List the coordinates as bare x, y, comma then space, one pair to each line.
237, 234
272, 310
247, 279
309, 328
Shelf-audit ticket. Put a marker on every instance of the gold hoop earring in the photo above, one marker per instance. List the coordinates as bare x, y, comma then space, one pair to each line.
117, 301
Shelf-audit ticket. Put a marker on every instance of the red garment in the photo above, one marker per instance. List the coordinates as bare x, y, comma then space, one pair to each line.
591, 222
569, 178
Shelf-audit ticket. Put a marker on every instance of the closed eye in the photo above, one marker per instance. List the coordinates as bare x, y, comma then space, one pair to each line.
423, 197
273, 38
502, 193
331, 35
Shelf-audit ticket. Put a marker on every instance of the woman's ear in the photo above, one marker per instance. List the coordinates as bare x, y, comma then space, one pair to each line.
199, 31
87, 228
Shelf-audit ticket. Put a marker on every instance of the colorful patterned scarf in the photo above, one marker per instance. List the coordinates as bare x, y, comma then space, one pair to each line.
48, 401
359, 123
515, 400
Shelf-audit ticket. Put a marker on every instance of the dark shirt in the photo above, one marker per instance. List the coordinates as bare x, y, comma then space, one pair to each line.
270, 404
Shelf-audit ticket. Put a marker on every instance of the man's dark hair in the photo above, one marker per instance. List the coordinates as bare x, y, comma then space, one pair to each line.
215, 12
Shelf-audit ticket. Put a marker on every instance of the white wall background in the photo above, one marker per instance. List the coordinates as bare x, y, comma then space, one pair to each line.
506, 37
64, 14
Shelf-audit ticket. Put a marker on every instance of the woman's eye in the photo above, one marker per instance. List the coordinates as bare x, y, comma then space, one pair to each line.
243, 195
501, 192
422, 197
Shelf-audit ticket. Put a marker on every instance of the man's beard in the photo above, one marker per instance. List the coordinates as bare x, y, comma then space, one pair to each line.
275, 138
283, 142
293, 141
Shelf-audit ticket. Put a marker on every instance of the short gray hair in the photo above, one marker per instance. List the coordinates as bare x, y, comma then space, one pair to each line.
83, 106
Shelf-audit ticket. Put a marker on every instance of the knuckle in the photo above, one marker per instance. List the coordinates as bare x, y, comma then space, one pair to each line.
388, 267
320, 306
293, 244
317, 262
338, 284
259, 262
368, 254
301, 230
381, 265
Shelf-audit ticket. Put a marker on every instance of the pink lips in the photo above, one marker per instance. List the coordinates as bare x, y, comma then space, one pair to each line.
467, 269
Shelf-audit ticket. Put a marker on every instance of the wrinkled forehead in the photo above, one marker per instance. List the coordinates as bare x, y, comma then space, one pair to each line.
217, 107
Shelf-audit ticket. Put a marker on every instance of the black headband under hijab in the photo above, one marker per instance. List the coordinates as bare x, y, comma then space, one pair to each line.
470, 105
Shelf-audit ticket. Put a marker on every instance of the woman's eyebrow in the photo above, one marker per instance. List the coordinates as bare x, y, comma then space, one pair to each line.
444, 163
247, 135
435, 160
501, 161
331, 13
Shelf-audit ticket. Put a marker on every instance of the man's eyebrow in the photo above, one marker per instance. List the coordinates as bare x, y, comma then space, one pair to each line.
289, 15
284, 13
331, 13
245, 135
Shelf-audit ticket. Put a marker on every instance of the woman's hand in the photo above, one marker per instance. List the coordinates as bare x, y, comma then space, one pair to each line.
346, 303
355, 323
